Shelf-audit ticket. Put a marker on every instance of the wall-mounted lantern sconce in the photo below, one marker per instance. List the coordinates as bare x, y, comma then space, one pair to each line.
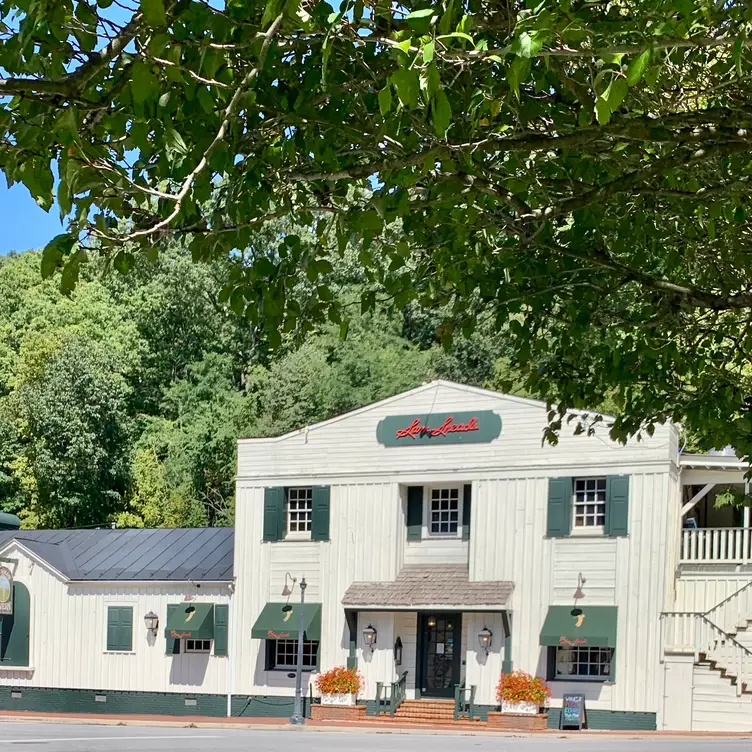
151, 621
369, 636
485, 638
431, 621
398, 652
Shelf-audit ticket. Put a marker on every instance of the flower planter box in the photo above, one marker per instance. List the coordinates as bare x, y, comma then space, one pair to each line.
346, 713
519, 708
515, 722
338, 700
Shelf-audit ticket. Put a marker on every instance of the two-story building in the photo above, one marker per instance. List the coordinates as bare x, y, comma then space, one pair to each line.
442, 542
440, 513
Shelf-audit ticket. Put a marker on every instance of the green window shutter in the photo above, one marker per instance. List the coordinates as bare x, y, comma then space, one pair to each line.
14, 633
466, 506
172, 647
221, 633
120, 628
559, 507
274, 514
270, 654
320, 514
617, 505
414, 513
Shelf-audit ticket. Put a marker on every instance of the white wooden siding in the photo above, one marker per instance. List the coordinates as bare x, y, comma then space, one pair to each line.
595, 559
68, 636
347, 447
438, 551
299, 559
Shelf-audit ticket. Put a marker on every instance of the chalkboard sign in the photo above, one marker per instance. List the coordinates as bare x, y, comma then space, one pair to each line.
572, 712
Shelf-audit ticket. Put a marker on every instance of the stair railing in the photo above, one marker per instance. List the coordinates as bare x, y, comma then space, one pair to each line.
464, 707
390, 696
732, 609
687, 632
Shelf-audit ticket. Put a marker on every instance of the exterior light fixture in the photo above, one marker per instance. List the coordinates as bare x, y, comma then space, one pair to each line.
431, 621
287, 590
369, 636
579, 594
151, 621
485, 638
398, 652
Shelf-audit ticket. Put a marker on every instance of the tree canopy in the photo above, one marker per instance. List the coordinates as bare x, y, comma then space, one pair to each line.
573, 173
123, 402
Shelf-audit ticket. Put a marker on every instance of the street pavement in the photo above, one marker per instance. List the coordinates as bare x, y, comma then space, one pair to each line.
50, 737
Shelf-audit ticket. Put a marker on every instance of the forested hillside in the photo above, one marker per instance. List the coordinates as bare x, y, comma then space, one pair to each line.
123, 402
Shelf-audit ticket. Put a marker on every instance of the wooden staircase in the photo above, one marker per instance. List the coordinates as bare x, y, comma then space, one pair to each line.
429, 713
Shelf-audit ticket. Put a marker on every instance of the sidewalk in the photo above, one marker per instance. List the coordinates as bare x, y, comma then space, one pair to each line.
371, 726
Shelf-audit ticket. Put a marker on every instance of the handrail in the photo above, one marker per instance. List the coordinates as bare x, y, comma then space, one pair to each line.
398, 693
394, 695
464, 708
697, 633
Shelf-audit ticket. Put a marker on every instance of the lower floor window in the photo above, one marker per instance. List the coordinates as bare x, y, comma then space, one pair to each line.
197, 646
583, 663
284, 654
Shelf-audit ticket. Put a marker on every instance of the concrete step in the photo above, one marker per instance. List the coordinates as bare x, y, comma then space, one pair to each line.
464, 723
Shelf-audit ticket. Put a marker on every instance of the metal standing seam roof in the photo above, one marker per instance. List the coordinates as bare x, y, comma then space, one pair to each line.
429, 585
178, 555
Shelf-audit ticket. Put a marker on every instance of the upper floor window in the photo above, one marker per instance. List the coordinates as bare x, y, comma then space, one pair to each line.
589, 502
299, 510
444, 511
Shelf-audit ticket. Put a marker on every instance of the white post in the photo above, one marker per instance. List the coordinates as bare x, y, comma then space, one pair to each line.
745, 534
230, 655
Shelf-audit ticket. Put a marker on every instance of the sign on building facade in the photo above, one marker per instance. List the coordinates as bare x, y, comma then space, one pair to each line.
477, 427
6, 592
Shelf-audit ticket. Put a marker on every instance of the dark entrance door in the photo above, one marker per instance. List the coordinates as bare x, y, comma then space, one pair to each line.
439, 652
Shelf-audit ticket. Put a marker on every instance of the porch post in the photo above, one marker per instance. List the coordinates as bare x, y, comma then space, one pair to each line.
506, 664
352, 623
745, 534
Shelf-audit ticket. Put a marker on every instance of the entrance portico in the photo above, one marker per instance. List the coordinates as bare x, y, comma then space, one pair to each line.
434, 611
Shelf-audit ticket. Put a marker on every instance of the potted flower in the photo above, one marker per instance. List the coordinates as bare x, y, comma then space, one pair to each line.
521, 693
339, 686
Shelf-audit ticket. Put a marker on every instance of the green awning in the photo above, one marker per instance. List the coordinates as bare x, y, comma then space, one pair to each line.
589, 626
191, 620
274, 623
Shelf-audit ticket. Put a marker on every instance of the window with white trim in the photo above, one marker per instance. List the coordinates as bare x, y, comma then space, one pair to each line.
197, 646
299, 510
583, 663
589, 503
444, 511
285, 654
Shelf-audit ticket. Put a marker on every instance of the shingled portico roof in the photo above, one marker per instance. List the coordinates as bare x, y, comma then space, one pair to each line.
435, 586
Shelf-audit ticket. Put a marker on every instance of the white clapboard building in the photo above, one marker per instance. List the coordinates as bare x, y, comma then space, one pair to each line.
442, 543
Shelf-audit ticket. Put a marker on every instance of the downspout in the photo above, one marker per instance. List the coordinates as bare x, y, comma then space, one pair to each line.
231, 651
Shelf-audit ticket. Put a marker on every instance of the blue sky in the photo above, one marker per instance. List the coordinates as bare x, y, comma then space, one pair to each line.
24, 224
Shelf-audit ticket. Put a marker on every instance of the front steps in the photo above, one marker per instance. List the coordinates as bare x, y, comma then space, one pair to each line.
429, 713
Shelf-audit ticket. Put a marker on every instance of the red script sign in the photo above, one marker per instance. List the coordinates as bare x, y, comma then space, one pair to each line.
416, 429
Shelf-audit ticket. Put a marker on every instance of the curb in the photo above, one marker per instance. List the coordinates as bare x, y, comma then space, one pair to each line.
281, 725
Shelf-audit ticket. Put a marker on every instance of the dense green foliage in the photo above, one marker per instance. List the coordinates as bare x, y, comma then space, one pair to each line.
123, 402
573, 173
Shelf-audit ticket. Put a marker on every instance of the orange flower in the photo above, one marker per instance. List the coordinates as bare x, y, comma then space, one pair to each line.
522, 687
339, 681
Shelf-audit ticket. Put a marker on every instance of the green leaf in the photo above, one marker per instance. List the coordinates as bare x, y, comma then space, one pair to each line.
428, 51
517, 74
54, 251
175, 142
423, 13
71, 270
164, 100
154, 12
738, 49
442, 114
144, 84
407, 84
385, 100
616, 92
206, 100
405, 45
638, 66
528, 45
458, 35
602, 111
